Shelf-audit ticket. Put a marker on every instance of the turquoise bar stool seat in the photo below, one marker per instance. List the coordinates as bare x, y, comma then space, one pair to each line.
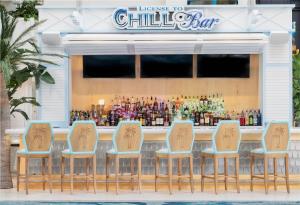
179, 141
127, 144
274, 145
37, 140
82, 144
225, 145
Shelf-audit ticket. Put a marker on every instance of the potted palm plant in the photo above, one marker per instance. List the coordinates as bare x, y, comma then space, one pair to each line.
20, 61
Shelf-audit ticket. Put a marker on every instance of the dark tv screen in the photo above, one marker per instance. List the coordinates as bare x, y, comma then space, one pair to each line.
109, 66
223, 66
166, 66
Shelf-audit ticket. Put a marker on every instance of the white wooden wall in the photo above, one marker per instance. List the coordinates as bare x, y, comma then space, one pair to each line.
276, 62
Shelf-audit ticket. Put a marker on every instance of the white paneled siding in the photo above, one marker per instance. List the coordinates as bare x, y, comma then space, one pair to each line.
277, 82
54, 98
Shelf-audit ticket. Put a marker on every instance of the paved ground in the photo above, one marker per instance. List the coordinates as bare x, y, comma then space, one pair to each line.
101, 196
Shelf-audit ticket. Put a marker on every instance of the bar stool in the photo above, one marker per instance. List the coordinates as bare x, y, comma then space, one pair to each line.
127, 144
37, 140
180, 140
275, 143
82, 144
225, 145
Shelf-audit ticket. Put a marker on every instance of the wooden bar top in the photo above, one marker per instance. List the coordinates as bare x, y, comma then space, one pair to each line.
249, 133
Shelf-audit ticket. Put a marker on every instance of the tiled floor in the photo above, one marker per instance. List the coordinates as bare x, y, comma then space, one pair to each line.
101, 196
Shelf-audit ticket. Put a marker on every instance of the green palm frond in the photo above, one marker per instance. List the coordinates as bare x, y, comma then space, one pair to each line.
21, 59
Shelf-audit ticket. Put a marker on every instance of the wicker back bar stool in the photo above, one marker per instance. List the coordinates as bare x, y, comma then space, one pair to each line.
275, 143
38, 141
180, 140
127, 144
225, 145
82, 144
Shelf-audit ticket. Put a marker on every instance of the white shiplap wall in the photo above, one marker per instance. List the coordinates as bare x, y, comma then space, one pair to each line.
54, 98
277, 82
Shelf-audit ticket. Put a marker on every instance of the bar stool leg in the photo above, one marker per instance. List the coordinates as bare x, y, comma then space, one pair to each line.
132, 173
237, 173
225, 173
62, 171
156, 171
216, 173
287, 180
117, 173
43, 173
266, 174
26, 174
252, 160
179, 172
140, 173
94, 172
275, 173
18, 173
50, 172
107, 171
191, 174
71, 172
170, 167
87, 173
202, 172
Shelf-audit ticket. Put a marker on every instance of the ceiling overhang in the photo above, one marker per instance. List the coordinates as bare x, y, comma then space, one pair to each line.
98, 44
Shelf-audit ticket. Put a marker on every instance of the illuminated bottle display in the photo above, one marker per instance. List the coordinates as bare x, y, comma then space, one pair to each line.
206, 110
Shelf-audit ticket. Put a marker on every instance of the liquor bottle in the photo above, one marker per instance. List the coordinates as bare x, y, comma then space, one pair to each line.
205, 101
250, 118
148, 121
242, 119
153, 120
72, 114
166, 119
202, 122
123, 103
255, 118
197, 118
211, 120
259, 118
216, 120
167, 116
246, 118
177, 103
209, 100
157, 119
206, 119
201, 101
155, 105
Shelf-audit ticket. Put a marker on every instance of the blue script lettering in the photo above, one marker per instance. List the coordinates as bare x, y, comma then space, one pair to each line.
194, 20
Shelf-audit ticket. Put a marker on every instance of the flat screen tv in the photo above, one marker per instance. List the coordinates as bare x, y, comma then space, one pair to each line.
109, 66
166, 66
223, 66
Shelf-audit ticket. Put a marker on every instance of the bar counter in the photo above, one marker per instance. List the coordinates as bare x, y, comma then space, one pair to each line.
154, 140
249, 133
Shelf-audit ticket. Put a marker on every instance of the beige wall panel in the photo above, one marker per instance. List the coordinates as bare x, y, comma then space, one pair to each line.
239, 93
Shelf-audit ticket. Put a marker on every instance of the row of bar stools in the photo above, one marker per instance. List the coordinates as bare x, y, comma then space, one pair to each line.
127, 142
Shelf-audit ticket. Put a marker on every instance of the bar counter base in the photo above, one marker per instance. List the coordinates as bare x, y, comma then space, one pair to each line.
149, 185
